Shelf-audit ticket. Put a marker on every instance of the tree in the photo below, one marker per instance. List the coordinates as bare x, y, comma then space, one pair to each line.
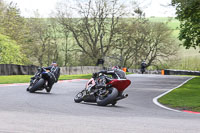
10, 51
159, 44
95, 30
188, 12
143, 40
2, 9
12, 23
39, 40
67, 45
123, 49
55, 37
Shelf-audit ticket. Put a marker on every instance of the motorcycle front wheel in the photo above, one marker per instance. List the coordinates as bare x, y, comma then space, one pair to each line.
79, 97
37, 85
109, 98
142, 71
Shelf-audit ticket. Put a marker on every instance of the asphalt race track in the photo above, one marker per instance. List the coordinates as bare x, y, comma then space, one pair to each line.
23, 112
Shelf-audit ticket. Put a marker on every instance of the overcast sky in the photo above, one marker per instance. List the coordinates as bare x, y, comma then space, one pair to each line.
151, 7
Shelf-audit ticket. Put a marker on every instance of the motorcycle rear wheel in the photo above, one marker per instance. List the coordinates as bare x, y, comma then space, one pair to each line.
113, 93
114, 103
36, 86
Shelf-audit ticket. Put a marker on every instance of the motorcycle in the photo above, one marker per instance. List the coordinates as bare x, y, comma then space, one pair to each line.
143, 67
142, 70
39, 81
103, 90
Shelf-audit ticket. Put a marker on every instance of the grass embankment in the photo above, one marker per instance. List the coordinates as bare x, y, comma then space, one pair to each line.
186, 97
26, 78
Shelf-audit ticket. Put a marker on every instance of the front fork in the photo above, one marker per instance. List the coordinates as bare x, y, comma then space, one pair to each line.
46, 84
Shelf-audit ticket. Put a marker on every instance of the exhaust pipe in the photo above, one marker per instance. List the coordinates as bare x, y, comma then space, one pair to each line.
122, 97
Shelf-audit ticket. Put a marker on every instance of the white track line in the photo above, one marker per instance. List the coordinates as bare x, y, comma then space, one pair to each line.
155, 100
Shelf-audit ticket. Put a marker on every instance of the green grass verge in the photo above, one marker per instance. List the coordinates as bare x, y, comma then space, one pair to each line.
81, 76
26, 78
186, 97
15, 79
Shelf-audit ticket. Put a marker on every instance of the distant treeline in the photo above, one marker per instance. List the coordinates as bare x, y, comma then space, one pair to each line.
103, 30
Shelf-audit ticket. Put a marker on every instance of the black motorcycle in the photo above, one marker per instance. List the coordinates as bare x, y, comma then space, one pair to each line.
142, 70
143, 67
39, 81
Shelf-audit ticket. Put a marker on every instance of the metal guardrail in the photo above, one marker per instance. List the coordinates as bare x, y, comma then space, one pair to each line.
181, 72
167, 72
146, 71
12, 69
79, 70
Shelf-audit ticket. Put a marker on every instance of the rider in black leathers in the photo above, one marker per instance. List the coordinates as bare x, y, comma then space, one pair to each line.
53, 75
115, 73
101, 79
143, 66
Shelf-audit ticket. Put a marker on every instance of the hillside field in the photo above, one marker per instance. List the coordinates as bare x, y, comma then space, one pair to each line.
187, 59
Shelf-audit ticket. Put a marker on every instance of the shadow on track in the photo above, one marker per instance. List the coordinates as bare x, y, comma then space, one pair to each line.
42, 93
108, 106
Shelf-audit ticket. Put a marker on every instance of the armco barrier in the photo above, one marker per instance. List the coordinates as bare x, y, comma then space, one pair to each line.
79, 70
167, 72
146, 71
12, 69
181, 72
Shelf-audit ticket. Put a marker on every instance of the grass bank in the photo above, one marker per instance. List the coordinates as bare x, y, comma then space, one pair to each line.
26, 78
186, 97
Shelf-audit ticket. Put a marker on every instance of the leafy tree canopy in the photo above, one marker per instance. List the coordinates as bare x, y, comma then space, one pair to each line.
10, 51
188, 12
